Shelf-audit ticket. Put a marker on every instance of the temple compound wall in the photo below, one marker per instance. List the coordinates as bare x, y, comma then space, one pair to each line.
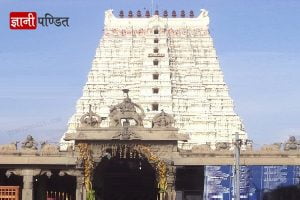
148, 158
263, 171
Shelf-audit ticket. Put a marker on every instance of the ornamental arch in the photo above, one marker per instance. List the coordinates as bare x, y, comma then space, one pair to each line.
128, 150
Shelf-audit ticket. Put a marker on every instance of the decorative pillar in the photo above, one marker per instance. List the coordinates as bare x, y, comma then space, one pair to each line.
28, 175
171, 193
80, 189
27, 187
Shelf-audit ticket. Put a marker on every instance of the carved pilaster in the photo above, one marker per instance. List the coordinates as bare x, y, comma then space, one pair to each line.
80, 189
171, 193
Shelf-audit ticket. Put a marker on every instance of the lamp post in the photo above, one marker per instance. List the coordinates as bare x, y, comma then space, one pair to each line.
237, 168
237, 150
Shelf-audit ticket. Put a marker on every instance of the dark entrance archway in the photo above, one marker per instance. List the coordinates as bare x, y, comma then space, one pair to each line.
124, 179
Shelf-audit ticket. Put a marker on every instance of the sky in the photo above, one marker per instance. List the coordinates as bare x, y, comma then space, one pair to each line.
42, 72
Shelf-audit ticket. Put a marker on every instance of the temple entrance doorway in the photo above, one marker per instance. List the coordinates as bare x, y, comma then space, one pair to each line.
119, 178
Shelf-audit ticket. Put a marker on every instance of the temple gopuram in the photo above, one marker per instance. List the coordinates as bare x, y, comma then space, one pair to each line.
155, 122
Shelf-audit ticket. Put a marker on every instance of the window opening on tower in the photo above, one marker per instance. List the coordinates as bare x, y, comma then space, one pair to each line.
154, 107
155, 76
155, 90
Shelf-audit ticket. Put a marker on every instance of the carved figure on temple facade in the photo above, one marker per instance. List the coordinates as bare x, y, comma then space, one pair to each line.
249, 145
222, 146
126, 106
126, 133
162, 120
126, 110
90, 119
29, 143
291, 144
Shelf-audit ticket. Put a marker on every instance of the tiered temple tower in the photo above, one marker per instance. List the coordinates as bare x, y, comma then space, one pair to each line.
167, 63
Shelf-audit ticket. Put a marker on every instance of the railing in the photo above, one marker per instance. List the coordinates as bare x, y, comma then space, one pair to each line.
9, 192
53, 195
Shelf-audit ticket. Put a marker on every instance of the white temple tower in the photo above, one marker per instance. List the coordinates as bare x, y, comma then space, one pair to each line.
166, 63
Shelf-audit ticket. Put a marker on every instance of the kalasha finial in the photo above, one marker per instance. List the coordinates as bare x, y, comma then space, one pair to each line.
165, 13
121, 14
130, 14
138, 13
192, 14
173, 13
182, 14
147, 13
156, 12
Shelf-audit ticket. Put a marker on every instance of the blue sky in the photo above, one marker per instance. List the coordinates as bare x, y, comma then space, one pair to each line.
42, 72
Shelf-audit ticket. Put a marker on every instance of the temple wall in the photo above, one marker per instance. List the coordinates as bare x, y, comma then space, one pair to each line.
257, 182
